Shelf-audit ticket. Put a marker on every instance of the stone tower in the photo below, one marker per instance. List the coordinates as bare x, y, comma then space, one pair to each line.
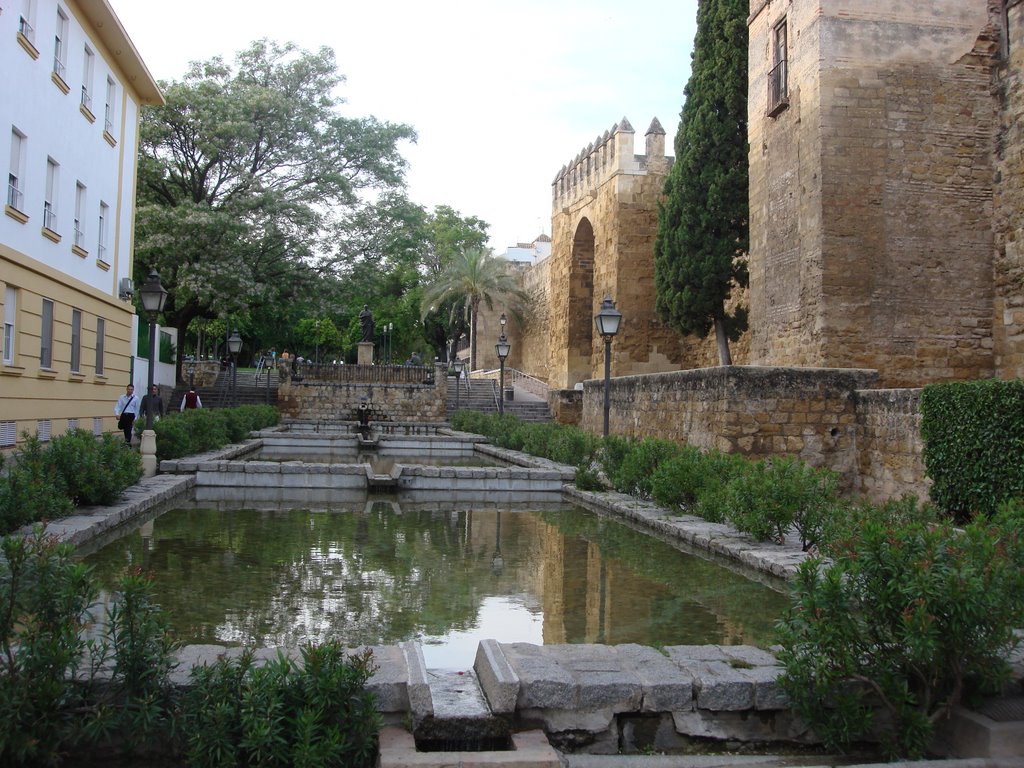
604, 220
872, 130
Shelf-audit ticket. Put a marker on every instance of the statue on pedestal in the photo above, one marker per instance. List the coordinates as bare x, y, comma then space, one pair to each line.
366, 321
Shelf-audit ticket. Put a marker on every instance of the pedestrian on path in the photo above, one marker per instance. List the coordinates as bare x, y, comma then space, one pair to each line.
153, 403
191, 400
127, 409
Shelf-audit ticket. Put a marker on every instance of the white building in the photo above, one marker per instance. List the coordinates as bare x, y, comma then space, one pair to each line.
529, 253
70, 95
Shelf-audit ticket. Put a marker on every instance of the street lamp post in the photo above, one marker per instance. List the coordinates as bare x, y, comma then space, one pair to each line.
154, 295
234, 347
191, 374
501, 349
317, 331
607, 319
458, 365
390, 343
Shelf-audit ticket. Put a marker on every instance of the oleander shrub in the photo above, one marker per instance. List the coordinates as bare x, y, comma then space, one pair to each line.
636, 470
317, 712
31, 488
782, 493
205, 429
677, 482
614, 450
537, 438
94, 470
973, 433
901, 622
571, 445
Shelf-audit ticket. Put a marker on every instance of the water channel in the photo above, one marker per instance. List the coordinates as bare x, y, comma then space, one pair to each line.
383, 572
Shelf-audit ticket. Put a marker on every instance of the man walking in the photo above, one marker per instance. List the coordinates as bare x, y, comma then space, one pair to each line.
126, 409
152, 404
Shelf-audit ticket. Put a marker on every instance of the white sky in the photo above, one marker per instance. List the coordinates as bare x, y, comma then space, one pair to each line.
502, 94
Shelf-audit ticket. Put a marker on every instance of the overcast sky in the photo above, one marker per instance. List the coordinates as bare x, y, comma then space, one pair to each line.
501, 93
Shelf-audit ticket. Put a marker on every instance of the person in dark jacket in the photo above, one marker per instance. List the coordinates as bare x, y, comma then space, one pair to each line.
152, 403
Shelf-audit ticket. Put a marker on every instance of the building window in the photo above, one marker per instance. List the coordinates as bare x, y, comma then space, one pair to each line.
72, 424
10, 327
108, 109
97, 426
44, 431
100, 336
50, 202
8, 434
778, 83
76, 340
15, 176
46, 335
60, 45
101, 242
79, 212
26, 22
87, 67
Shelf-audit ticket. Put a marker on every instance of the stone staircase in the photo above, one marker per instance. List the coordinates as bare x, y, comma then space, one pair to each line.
481, 395
219, 394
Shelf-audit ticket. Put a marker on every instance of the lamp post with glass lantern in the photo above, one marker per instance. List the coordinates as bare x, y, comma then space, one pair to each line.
458, 365
191, 373
501, 349
234, 347
607, 319
154, 296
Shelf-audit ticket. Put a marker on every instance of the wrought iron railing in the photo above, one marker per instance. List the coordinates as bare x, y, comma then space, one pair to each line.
363, 374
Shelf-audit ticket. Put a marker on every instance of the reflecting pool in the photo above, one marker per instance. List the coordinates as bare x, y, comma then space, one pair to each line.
384, 573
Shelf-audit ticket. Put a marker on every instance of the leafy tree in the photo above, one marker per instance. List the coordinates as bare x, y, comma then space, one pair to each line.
242, 173
703, 221
473, 276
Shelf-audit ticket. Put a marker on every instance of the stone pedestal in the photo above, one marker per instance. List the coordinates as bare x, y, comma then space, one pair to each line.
365, 353
148, 453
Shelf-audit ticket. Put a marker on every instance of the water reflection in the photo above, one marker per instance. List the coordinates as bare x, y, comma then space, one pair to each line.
385, 573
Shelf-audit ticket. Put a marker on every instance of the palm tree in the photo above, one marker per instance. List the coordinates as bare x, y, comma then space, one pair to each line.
472, 276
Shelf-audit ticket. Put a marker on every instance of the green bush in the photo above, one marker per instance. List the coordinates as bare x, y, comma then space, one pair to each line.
537, 438
204, 429
973, 435
636, 470
44, 595
317, 713
678, 481
571, 445
95, 471
614, 450
777, 494
31, 489
901, 624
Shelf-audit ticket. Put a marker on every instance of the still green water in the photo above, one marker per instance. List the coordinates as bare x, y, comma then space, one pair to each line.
447, 579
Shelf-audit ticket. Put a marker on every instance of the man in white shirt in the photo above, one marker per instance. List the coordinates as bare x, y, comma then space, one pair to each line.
127, 410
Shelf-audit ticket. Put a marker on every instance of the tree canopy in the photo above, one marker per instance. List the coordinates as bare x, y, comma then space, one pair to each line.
700, 249
243, 175
473, 275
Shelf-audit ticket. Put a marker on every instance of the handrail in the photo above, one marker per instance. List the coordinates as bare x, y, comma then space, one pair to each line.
529, 383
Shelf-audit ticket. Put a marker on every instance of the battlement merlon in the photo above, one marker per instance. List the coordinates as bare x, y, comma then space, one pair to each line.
610, 154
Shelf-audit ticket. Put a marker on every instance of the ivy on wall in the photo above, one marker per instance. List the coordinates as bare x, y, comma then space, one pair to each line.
973, 434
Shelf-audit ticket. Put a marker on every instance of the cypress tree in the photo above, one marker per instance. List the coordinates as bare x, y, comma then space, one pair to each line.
702, 240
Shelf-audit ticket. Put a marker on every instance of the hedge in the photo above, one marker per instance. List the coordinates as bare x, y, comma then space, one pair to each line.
973, 435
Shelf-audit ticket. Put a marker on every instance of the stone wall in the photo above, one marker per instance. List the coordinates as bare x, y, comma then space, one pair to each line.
338, 401
889, 446
566, 405
757, 412
1009, 202
871, 193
